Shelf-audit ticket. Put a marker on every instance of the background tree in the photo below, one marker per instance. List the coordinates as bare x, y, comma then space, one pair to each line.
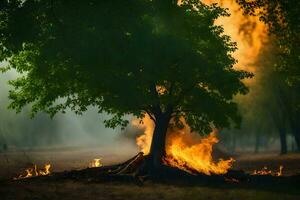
124, 57
282, 18
264, 109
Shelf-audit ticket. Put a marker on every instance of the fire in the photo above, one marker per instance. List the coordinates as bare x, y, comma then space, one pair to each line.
185, 150
190, 152
35, 171
95, 163
263, 171
279, 173
266, 171
248, 32
46, 170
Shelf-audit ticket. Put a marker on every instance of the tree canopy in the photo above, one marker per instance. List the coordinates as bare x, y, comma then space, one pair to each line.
123, 57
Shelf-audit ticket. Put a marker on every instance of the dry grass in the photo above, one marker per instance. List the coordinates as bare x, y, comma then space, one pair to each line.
14, 162
70, 190
11, 164
250, 162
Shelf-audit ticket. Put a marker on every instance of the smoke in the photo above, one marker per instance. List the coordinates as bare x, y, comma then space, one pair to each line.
19, 131
259, 107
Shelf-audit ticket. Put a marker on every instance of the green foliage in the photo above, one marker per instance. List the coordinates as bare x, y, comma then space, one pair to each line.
123, 57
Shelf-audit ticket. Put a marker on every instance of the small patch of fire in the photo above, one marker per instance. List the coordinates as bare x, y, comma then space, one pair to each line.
35, 171
265, 171
95, 163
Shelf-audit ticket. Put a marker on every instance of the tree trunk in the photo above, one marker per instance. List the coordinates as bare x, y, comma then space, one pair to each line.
297, 139
296, 133
282, 134
157, 149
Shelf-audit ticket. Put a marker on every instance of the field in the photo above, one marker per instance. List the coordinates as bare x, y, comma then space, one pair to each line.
66, 159
70, 190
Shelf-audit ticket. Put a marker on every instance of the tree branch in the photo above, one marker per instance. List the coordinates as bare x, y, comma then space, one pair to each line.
151, 116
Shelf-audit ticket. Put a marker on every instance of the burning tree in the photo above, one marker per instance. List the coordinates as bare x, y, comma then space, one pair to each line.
155, 58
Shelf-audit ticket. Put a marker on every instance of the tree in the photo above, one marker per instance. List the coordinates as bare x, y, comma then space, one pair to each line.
135, 57
282, 18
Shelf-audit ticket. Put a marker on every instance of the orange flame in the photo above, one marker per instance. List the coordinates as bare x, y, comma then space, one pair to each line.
185, 150
265, 171
280, 172
248, 32
190, 152
35, 171
95, 163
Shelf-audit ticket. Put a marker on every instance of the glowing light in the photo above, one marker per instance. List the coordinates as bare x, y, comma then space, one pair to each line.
144, 141
95, 163
248, 32
280, 172
35, 171
186, 150
191, 153
266, 171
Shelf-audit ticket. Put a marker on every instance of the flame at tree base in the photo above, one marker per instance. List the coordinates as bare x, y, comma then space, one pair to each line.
195, 157
185, 149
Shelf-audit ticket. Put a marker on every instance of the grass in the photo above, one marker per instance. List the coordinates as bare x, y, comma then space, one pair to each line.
70, 190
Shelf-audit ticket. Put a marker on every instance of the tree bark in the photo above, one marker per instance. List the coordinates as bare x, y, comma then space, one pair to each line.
297, 139
296, 133
157, 149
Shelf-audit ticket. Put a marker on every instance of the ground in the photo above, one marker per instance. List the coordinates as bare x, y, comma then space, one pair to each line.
70, 190
65, 159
